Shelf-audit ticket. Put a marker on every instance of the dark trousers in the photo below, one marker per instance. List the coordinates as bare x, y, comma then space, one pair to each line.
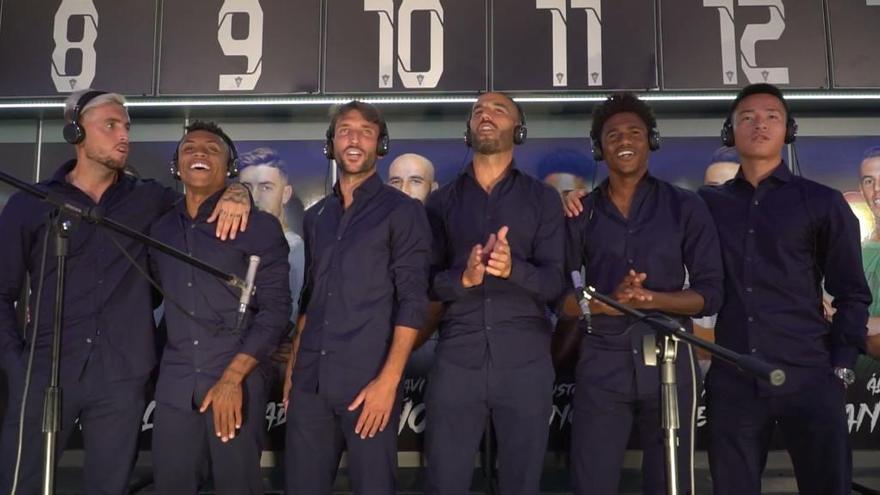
319, 428
458, 401
601, 427
109, 412
184, 439
813, 425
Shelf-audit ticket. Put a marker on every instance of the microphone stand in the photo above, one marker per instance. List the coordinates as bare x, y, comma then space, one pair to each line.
664, 345
60, 221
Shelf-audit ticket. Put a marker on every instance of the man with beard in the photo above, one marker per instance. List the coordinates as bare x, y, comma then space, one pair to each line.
636, 240
211, 393
364, 302
107, 349
497, 262
781, 235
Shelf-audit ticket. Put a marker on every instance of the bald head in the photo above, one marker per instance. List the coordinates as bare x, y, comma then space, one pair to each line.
720, 172
413, 174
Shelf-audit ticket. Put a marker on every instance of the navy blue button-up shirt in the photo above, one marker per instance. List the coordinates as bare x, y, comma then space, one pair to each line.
669, 232
778, 242
107, 302
506, 318
201, 310
366, 272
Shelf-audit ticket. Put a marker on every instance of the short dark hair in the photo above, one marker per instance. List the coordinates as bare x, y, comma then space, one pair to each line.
369, 112
620, 103
213, 128
758, 89
264, 156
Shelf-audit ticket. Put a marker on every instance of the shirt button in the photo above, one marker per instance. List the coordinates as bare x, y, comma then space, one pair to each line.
751, 231
630, 261
754, 350
748, 289
100, 281
339, 238
88, 340
488, 300
195, 342
330, 294
635, 351
488, 327
192, 312
326, 322
751, 319
192, 226
630, 231
198, 370
756, 202
189, 284
323, 352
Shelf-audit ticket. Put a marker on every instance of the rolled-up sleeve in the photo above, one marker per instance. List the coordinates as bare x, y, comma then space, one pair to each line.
840, 258
272, 297
410, 255
702, 255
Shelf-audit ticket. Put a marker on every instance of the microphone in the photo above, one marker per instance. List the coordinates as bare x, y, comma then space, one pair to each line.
582, 300
248, 290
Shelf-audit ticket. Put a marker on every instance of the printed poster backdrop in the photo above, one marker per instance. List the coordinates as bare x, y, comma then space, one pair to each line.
682, 161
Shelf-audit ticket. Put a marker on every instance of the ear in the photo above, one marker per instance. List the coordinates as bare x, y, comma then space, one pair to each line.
434, 186
286, 194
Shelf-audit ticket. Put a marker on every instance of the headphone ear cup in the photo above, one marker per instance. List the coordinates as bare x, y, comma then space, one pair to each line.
654, 139
468, 140
328, 144
520, 133
232, 167
727, 138
597, 150
73, 133
384, 145
175, 172
791, 129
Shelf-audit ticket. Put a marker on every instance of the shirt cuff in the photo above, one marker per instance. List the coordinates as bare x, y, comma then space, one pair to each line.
844, 357
407, 317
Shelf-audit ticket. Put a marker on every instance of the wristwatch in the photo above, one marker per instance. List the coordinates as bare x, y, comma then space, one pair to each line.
847, 375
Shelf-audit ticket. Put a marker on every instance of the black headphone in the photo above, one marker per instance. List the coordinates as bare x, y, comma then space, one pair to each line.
231, 164
73, 132
520, 132
727, 135
653, 143
383, 144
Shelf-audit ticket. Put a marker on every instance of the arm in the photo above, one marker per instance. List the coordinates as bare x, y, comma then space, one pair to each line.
446, 280
232, 210
701, 253
839, 256
17, 244
291, 359
272, 305
410, 248
541, 274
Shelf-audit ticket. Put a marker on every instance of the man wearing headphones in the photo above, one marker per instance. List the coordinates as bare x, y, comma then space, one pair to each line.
107, 350
363, 303
780, 236
636, 239
211, 392
497, 262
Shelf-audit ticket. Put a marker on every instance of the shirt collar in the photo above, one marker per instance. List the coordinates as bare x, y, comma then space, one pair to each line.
781, 173
60, 175
205, 209
511, 169
367, 189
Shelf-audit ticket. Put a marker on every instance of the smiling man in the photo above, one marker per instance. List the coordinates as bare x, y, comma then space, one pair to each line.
107, 349
636, 239
211, 392
497, 262
364, 301
781, 235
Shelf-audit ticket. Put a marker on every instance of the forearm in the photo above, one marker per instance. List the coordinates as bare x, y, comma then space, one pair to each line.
873, 326
686, 302
294, 346
435, 313
239, 368
401, 346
